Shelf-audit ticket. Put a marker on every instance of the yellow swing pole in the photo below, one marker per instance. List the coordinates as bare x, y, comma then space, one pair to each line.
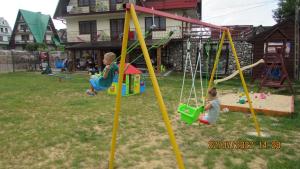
216, 62
156, 89
243, 83
118, 97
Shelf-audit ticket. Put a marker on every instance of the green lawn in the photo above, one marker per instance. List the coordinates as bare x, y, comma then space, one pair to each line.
45, 123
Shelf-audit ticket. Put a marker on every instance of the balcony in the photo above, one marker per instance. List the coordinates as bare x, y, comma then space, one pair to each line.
23, 31
101, 6
24, 41
108, 35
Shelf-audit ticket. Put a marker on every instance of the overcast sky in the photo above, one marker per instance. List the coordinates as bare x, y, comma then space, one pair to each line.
220, 12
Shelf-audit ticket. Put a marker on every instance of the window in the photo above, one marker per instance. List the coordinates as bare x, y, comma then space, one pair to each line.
23, 27
1, 29
159, 22
25, 37
6, 30
1, 38
87, 27
274, 47
116, 28
83, 3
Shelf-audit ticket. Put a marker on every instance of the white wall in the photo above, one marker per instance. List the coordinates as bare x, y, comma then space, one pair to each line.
31, 37
5, 38
103, 25
18, 38
48, 37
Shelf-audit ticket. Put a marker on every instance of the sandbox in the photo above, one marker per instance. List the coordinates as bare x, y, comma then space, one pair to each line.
274, 105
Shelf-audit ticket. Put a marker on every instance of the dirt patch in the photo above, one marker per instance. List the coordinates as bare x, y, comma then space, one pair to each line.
236, 161
152, 165
257, 162
219, 164
98, 129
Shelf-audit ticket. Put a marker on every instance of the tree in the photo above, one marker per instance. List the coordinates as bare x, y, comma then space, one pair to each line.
285, 10
36, 47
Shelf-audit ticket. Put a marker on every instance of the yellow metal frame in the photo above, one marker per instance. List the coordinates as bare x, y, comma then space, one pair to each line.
240, 72
132, 15
128, 16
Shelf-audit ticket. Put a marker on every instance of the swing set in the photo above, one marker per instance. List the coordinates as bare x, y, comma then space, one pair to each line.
131, 14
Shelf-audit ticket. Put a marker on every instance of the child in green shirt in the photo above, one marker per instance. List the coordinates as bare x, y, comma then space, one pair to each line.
104, 82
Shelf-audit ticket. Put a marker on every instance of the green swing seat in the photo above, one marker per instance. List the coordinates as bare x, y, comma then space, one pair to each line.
188, 113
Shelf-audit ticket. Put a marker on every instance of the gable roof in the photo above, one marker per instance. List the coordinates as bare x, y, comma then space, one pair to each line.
269, 30
131, 69
61, 8
37, 23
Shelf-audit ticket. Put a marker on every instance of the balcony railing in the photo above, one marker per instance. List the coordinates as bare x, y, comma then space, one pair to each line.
23, 30
98, 7
23, 41
108, 35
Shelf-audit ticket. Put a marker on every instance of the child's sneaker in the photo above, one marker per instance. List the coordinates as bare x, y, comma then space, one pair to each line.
90, 93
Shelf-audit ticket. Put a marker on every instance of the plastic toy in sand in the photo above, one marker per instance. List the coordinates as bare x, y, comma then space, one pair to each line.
260, 96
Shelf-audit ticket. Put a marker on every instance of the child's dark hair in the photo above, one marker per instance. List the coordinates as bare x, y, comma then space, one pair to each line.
213, 92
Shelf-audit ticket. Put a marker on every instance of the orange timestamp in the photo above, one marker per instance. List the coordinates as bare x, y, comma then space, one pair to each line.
244, 145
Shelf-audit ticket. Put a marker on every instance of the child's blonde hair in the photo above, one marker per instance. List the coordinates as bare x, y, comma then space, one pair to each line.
110, 55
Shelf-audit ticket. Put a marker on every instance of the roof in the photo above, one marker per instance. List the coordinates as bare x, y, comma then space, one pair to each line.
37, 23
269, 30
130, 70
4, 22
61, 8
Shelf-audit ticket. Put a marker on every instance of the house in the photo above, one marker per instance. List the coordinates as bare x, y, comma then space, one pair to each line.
96, 26
280, 34
33, 27
5, 33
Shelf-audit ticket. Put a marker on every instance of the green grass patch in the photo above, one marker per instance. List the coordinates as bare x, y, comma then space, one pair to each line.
45, 123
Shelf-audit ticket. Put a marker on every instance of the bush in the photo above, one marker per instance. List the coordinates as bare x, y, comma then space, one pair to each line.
36, 47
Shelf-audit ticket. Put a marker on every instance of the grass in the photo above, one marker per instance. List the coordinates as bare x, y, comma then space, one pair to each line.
45, 123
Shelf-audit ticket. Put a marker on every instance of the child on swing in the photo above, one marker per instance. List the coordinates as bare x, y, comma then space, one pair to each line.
104, 82
212, 108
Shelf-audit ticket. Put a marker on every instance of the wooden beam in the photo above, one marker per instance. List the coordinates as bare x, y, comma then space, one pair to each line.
158, 59
175, 17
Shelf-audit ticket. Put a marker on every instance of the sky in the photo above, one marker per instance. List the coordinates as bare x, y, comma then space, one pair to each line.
219, 12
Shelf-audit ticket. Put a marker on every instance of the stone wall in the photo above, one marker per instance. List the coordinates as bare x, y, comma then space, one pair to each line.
175, 52
177, 55
245, 55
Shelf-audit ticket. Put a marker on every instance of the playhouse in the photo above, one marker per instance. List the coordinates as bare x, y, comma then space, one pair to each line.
132, 82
